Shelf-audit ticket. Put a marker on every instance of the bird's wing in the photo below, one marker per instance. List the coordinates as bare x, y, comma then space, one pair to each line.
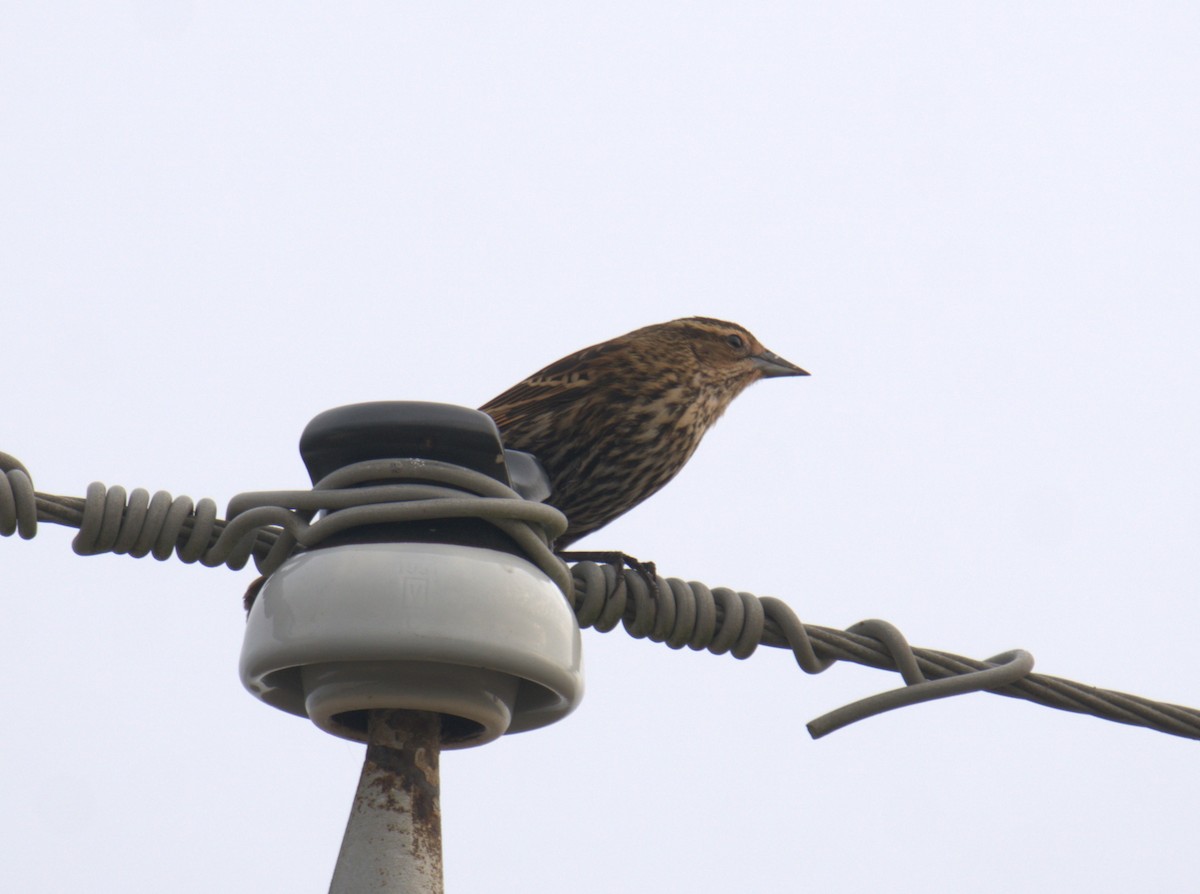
552, 388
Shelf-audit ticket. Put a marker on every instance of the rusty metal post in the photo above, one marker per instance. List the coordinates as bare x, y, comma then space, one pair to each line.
393, 840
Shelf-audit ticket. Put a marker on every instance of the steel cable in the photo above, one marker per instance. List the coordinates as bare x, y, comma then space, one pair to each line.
269, 526
719, 620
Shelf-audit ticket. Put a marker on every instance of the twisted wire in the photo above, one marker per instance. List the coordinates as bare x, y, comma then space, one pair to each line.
18, 500
269, 526
723, 621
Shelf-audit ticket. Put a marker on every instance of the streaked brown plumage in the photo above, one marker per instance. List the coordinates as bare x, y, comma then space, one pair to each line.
613, 423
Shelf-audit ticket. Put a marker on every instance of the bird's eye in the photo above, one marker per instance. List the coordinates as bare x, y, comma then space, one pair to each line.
735, 341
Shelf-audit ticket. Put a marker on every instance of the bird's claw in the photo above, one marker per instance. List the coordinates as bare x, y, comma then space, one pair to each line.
619, 561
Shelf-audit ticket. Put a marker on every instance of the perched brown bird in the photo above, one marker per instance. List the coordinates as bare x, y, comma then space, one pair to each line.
613, 423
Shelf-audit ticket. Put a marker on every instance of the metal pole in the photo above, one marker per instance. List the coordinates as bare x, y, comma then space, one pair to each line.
393, 841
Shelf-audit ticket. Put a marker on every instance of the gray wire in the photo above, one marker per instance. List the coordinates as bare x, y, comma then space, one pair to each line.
689, 613
269, 526
457, 493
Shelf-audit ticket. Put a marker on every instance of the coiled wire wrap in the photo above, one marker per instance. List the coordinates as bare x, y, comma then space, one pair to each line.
456, 492
18, 502
268, 526
723, 621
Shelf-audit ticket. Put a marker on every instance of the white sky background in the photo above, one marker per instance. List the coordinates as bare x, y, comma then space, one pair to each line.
979, 228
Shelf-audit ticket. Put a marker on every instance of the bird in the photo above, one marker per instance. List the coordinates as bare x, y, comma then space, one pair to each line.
613, 423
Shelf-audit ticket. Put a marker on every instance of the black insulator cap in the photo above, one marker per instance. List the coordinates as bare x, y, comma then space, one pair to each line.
408, 429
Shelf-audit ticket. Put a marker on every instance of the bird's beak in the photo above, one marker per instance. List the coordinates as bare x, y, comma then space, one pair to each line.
772, 365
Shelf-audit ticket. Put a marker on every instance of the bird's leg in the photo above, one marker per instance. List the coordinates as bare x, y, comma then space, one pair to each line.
620, 561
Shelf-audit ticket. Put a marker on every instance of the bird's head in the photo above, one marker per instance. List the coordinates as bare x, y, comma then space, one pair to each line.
720, 353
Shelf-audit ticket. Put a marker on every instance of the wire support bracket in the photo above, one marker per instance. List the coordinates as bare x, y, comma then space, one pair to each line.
269, 526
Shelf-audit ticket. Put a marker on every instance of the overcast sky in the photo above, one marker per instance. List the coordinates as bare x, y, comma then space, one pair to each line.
977, 225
